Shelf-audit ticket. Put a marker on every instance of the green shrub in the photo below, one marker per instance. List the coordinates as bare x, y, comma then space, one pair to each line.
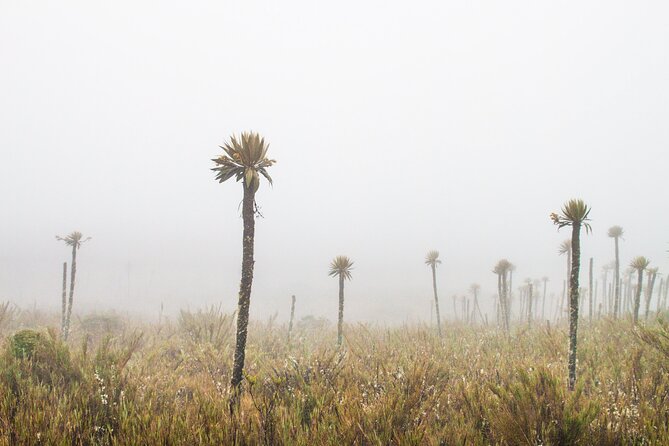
41, 357
25, 342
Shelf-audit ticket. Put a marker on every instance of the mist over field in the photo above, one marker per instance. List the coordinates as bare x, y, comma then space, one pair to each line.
300, 223
398, 128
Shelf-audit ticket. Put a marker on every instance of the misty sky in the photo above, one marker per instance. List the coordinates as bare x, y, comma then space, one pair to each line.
398, 127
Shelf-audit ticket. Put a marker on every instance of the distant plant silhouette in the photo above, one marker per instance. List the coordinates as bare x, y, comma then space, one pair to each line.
63, 314
530, 296
501, 269
292, 316
74, 240
590, 287
652, 275
341, 268
543, 299
616, 233
639, 264
432, 260
574, 213
245, 158
474, 288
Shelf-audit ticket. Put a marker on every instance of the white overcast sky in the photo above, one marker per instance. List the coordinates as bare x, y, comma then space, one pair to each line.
398, 127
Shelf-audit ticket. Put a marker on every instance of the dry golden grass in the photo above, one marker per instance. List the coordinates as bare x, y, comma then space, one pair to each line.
168, 384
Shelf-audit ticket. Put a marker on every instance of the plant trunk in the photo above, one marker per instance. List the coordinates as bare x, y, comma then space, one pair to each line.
616, 291
340, 322
292, 317
64, 302
563, 299
573, 300
543, 303
476, 302
590, 287
73, 274
595, 295
508, 291
637, 298
244, 302
505, 299
630, 292
568, 281
649, 292
436, 299
500, 305
529, 305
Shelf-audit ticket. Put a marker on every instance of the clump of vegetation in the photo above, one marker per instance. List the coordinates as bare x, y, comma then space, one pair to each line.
39, 356
211, 325
7, 314
102, 324
24, 343
404, 385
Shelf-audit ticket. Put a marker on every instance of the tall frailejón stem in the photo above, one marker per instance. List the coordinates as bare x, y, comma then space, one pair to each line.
340, 321
63, 314
436, 299
590, 290
248, 216
573, 300
73, 275
616, 292
292, 317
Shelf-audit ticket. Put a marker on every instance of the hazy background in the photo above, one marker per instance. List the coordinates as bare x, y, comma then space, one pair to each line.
398, 127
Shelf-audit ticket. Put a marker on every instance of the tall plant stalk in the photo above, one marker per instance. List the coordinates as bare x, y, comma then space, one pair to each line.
616, 232
575, 214
64, 302
590, 290
292, 316
245, 159
639, 264
74, 240
432, 260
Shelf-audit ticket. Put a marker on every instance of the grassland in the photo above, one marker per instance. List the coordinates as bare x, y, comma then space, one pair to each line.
125, 382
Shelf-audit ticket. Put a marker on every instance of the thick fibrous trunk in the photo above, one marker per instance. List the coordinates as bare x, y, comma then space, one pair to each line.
436, 298
637, 297
616, 292
63, 314
500, 305
573, 300
340, 322
244, 288
505, 300
73, 274
292, 317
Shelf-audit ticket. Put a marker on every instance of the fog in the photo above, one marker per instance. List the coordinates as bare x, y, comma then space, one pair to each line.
398, 127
